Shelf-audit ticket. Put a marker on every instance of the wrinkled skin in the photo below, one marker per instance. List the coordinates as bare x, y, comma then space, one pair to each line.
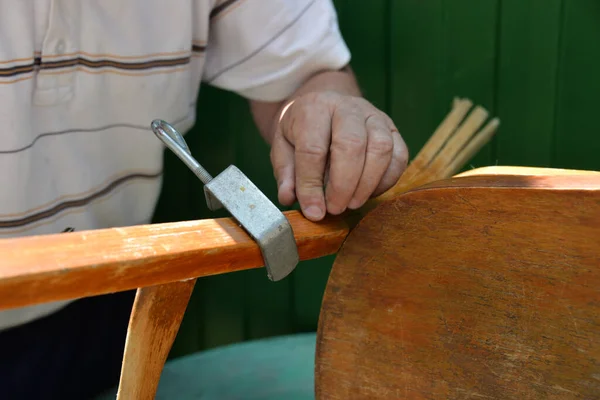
332, 152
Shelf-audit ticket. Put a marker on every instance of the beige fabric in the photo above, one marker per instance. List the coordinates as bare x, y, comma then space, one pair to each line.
80, 82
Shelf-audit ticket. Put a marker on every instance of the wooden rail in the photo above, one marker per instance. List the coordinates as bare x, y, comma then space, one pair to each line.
64, 266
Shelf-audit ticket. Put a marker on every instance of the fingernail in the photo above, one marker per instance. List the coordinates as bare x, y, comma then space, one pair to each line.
335, 210
354, 204
313, 212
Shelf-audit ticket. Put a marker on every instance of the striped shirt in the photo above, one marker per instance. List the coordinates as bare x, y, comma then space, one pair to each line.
80, 82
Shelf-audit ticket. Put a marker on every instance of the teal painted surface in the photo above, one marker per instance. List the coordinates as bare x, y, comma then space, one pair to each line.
279, 368
533, 63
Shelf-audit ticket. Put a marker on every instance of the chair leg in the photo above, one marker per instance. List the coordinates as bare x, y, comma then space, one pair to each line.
155, 319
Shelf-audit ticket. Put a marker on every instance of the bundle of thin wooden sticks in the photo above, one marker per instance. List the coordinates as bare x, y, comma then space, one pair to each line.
455, 141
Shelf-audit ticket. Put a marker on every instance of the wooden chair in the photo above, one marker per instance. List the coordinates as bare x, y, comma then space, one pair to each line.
482, 285
485, 285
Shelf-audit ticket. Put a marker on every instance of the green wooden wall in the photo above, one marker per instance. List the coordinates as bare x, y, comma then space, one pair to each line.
533, 63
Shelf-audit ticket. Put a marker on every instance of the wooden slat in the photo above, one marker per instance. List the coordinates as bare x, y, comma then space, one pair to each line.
439, 50
157, 314
576, 140
528, 48
63, 266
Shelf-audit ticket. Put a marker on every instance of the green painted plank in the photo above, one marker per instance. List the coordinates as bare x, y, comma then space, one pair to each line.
527, 68
310, 281
221, 319
190, 336
469, 48
364, 28
577, 139
439, 50
416, 64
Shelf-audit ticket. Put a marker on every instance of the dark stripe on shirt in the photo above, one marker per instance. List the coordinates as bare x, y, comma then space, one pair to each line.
44, 214
18, 70
90, 130
40, 63
142, 65
220, 8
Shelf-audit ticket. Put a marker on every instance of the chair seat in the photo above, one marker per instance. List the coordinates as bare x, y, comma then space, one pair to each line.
267, 369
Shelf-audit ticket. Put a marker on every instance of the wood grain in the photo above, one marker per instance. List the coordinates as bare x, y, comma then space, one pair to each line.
155, 320
79, 264
63, 266
478, 287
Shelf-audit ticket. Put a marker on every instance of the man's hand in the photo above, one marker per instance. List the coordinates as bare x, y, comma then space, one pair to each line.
332, 152
330, 148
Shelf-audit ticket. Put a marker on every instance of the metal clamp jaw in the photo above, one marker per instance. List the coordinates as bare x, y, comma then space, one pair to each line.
231, 189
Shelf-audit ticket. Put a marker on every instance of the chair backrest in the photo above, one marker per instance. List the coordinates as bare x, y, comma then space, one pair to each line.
476, 287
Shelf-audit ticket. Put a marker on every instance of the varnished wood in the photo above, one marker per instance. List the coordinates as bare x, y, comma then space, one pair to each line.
475, 287
79, 264
155, 320
512, 170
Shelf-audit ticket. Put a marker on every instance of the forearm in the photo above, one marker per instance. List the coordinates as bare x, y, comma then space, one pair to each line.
266, 114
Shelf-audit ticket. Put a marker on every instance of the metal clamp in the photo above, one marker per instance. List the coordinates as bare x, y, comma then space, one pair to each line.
231, 189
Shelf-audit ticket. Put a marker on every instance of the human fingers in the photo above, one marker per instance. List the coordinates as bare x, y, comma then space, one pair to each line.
396, 167
347, 154
282, 159
307, 126
380, 147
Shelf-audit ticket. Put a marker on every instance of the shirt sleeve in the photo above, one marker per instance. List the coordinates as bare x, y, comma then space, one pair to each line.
264, 49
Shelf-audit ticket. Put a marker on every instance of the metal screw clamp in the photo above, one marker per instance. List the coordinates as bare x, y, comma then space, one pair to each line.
231, 189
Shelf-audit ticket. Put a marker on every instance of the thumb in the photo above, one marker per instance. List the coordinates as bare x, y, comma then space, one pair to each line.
282, 159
